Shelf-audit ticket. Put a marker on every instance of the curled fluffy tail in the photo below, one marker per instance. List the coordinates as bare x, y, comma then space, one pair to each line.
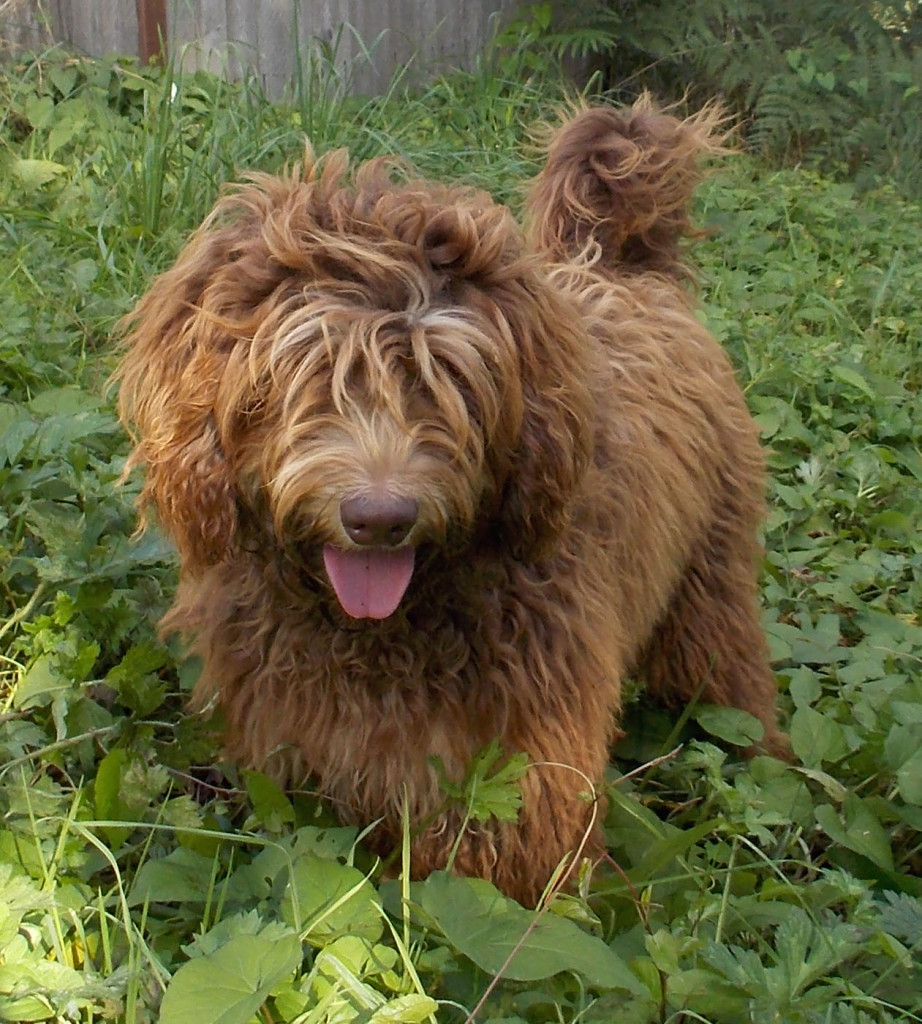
622, 180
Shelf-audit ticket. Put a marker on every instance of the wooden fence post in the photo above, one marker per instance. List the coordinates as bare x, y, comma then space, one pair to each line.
152, 37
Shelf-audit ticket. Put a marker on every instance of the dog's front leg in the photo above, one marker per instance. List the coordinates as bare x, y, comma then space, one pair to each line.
555, 827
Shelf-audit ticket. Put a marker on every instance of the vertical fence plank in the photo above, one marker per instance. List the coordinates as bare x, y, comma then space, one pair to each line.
99, 27
152, 29
372, 39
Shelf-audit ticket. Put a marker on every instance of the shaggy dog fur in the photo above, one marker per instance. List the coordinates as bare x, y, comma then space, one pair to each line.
437, 481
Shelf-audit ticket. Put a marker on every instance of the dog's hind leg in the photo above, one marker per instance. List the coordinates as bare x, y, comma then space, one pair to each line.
710, 641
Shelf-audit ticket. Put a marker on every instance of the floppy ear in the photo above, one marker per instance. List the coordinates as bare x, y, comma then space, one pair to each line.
556, 436
545, 439
168, 381
178, 341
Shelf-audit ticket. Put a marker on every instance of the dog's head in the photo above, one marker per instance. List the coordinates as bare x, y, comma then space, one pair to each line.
352, 370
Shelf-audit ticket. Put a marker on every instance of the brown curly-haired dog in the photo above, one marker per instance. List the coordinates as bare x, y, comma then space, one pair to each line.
435, 481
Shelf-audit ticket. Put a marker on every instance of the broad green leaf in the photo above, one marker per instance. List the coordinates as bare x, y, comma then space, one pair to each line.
39, 110
182, 876
853, 379
909, 779
25, 1009
64, 402
16, 426
780, 636
804, 686
39, 685
667, 950
655, 843
70, 118
910, 459
230, 985
706, 994
63, 77
902, 744
358, 955
490, 929
35, 173
819, 644
245, 923
834, 789
858, 830
893, 522
326, 899
411, 1009
271, 867
730, 724
84, 273
270, 805
906, 712
816, 738
106, 792
339, 978
139, 688
56, 432
22, 972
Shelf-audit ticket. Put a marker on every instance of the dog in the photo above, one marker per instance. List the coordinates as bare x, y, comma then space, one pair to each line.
438, 480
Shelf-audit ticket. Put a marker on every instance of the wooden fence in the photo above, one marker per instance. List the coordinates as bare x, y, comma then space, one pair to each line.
371, 37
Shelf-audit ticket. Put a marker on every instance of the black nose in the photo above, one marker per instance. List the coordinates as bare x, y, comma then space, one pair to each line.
378, 521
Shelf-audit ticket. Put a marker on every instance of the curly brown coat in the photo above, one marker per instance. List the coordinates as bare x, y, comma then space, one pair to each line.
436, 481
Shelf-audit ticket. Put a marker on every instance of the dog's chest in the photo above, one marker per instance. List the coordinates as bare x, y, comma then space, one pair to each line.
397, 657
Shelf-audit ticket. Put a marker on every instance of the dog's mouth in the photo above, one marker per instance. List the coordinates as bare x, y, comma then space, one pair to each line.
369, 582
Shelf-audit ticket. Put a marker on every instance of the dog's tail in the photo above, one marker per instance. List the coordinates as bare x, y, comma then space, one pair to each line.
622, 181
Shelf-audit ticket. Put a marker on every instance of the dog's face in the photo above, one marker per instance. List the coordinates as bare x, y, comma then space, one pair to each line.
355, 372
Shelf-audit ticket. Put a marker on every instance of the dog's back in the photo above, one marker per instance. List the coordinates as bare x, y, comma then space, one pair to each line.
622, 180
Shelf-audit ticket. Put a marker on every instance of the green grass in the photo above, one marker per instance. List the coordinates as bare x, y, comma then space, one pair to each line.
736, 891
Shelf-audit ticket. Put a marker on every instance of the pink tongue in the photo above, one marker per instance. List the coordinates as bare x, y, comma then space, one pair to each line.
369, 582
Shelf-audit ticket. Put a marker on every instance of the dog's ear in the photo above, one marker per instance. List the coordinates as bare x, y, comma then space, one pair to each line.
168, 380
555, 439
178, 342
546, 431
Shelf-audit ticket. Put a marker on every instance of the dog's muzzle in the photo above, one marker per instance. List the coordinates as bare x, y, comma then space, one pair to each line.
371, 578
382, 522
